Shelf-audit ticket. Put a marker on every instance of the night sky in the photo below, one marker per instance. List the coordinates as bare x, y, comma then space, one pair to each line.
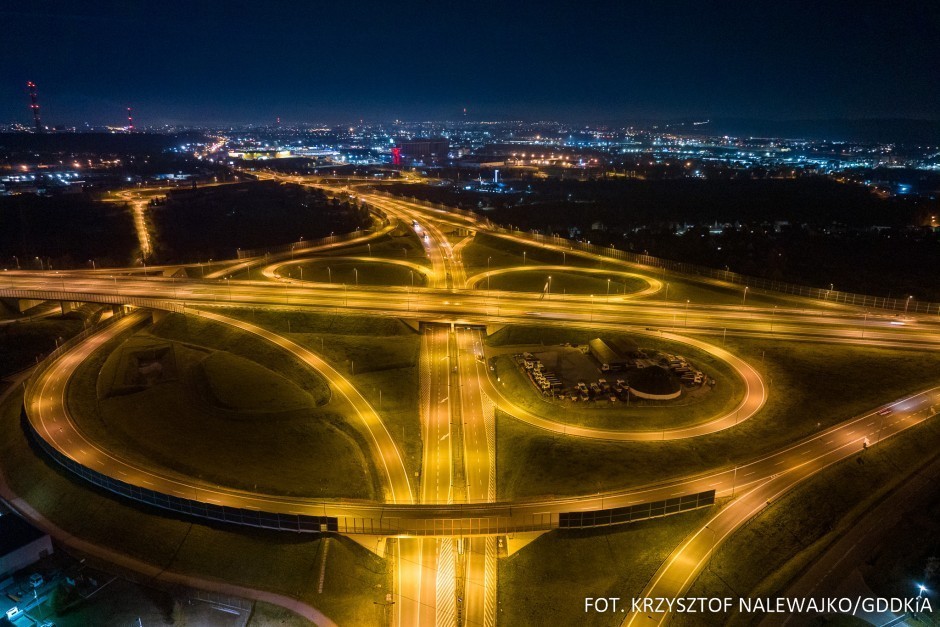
247, 62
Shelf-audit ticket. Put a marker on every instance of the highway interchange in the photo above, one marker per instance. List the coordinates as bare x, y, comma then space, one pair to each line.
446, 521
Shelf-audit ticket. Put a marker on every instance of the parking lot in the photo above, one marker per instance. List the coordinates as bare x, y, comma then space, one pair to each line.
570, 374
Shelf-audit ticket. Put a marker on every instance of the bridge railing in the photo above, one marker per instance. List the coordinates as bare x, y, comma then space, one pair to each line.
105, 298
905, 305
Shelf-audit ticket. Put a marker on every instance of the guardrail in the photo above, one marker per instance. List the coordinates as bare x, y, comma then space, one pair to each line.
907, 305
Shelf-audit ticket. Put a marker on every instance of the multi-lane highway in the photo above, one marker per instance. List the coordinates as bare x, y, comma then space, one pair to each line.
481, 307
796, 464
449, 577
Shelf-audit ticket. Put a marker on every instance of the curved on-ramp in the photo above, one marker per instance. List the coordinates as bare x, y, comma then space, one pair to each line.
755, 396
652, 285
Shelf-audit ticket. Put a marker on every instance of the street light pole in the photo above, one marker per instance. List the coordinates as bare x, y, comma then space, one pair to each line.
744, 298
607, 299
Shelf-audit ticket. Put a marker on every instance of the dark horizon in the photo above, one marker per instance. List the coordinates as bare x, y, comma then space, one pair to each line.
238, 63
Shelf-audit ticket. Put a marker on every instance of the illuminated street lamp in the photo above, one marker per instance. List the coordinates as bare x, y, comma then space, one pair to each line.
607, 299
687, 312
488, 259
356, 270
549, 286
907, 303
744, 298
329, 274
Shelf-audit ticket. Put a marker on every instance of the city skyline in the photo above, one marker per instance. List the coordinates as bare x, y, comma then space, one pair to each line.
548, 61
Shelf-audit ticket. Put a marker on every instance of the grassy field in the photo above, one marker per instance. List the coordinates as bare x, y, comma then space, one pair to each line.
267, 615
545, 582
772, 548
210, 423
237, 384
375, 354
502, 253
640, 414
402, 243
811, 387
280, 562
564, 283
900, 562
344, 272
217, 336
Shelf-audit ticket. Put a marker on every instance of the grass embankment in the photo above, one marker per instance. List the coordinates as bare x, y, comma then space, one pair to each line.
811, 386
545, 583
267, 615
641, 414
375, 354
225, 419
285, 563
765, 555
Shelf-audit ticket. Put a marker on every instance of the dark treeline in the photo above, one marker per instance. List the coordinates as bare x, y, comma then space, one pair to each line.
625, 204
93, 143
67, 230
212, 222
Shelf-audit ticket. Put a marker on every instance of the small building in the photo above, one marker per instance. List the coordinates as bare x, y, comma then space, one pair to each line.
21, 544
608, 358
429, 150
